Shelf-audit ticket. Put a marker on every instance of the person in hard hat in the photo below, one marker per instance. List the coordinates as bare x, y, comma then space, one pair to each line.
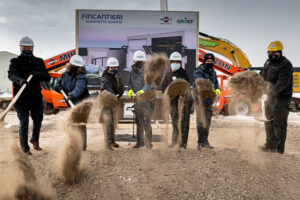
177, 71
74, 81
143, 110
111, 82
206, 71
30, 100
278, 73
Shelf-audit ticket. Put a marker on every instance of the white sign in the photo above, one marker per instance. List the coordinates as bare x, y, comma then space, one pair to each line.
128, 108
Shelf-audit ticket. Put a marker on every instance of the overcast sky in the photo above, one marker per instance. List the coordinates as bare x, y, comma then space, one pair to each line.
250, 24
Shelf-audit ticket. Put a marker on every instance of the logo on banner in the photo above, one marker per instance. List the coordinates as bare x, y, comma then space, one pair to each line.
102, 18
166, 20
52, 61
185, 21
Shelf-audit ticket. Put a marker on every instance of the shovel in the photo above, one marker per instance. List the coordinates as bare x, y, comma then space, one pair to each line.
263, 117
66, 97
12, 103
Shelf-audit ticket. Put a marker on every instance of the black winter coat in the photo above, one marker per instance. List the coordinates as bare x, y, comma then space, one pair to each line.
280, 75
20, 68
111, 83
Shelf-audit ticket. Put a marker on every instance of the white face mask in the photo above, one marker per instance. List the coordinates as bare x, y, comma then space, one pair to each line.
175, 66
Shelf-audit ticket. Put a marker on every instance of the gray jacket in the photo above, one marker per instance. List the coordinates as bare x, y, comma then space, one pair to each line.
136, 81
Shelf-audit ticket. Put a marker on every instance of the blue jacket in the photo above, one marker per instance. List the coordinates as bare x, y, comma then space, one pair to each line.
201, 72
76, 85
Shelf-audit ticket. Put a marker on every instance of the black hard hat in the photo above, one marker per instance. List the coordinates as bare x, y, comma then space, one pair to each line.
208, 56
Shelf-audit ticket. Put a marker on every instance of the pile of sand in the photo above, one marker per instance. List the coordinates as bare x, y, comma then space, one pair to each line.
155, 69
248, 85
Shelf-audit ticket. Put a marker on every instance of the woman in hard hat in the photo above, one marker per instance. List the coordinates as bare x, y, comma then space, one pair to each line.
278, 73
112, 83
74, 81
144, 109
177, 72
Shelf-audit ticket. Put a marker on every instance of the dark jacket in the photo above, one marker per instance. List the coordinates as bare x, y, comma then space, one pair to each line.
19, 69
280, 75
136, 81
202, 72
111, 83
170, 76
73, 84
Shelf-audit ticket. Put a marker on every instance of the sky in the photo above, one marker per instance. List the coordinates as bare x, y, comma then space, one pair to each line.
249, 24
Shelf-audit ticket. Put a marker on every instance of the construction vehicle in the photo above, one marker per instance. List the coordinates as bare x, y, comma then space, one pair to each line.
240, 63
52, 100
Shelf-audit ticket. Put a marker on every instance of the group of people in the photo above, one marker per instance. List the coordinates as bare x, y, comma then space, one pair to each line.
277, 71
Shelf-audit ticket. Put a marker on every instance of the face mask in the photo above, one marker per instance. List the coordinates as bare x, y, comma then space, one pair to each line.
113, 72
273, 57
73, 69
209, 65
27, 53
175, 66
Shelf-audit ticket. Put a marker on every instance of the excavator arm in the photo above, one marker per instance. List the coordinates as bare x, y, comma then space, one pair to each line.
224, 48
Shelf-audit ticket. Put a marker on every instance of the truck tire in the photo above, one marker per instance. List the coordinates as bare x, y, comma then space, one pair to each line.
48, 108
240, 107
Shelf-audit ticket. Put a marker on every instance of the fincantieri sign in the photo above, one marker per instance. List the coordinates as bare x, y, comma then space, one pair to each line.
102, 18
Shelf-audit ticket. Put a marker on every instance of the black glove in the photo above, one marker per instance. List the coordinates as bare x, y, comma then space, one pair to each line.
22, 82
70, 97
58, 88
35, 74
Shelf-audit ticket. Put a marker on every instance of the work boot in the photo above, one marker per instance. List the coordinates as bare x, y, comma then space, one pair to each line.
28, 153
138, 145
183, 146
199, 147
207, 145
108, 146
36, 145
266, 148
149, 146
173, 144
114, 144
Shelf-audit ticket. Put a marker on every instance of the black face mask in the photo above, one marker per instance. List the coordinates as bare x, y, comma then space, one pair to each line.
73, 70
27, 54
273, 57
209, 66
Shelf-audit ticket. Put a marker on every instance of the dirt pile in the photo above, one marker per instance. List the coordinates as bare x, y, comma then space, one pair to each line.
68, 163
19, 181
155, 68
204, 89
178, 87
147, 96
108, 100
70, 154
81, 112
248, 85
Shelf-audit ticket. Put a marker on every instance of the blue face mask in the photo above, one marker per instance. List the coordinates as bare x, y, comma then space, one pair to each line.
175, 66
113, 72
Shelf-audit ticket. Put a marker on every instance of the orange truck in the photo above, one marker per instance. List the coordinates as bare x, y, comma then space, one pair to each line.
52, 100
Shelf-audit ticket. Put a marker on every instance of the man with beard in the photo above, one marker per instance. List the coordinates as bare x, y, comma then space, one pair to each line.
30, 100
278, 73
144, 109
206, 71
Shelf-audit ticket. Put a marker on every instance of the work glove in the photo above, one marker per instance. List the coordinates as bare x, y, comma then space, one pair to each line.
218, 92
70, 97
140, 92
130, 93
22, 82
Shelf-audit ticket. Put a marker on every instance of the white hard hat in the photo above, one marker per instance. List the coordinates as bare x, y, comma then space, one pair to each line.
112, 62
175, 56
26, 41
139, 56
76, 60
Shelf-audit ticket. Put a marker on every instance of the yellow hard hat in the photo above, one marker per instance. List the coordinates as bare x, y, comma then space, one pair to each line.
275, 46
